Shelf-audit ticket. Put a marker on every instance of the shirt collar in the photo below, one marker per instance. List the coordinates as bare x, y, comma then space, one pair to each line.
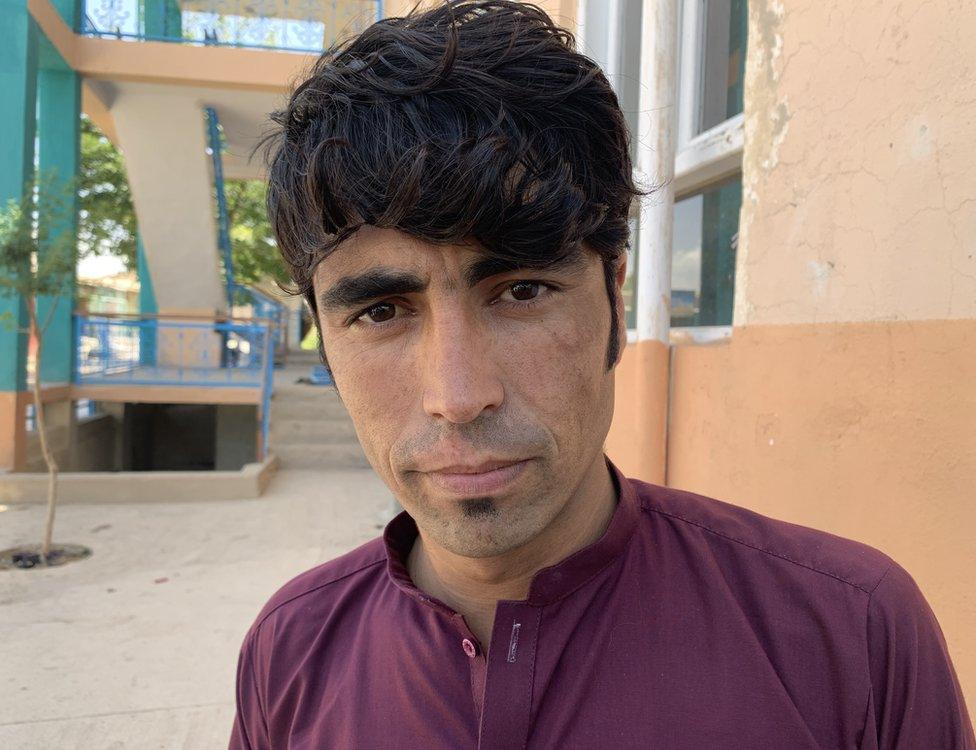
549, 584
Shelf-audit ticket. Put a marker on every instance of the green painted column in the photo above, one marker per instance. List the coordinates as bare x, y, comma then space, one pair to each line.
59, 112
147, 297
147, 304
18, 91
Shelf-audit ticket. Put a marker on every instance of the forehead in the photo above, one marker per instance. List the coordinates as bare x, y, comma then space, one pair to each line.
373, 246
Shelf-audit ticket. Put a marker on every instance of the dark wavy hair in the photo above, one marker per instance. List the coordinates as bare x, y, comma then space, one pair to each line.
475, 119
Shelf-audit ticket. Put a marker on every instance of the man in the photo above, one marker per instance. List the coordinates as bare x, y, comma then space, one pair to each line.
450, 191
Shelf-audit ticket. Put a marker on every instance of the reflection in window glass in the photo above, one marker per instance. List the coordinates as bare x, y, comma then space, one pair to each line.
723, 61
706, 230
627, 78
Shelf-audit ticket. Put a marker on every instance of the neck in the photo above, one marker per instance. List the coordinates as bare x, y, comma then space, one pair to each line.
473, 586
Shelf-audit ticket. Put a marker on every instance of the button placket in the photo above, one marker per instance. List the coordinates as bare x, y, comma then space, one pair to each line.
507, 707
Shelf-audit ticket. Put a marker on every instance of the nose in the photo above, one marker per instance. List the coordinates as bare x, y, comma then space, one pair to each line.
461, 379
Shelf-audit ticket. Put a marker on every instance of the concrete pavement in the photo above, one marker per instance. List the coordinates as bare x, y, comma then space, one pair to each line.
136, 647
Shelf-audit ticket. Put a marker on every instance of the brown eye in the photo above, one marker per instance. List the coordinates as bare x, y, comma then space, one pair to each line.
524, 290
380, 313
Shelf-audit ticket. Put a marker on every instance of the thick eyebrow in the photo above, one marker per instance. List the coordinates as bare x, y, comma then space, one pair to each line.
369, 285
486, 267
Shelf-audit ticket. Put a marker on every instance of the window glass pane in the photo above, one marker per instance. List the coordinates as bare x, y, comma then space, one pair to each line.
706, 230
724, 26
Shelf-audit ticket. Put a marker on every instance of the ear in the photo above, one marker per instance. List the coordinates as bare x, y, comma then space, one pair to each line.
621, 272
619, 277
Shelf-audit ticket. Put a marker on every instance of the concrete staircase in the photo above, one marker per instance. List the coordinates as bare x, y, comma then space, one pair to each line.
310, 428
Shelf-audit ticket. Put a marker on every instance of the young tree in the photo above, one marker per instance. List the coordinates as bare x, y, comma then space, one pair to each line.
37, 259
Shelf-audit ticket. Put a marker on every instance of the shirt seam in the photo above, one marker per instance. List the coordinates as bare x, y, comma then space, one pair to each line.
780, 555
248, 653
867, 650
259, 623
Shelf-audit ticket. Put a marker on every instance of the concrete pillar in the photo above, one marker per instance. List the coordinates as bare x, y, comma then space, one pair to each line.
655, 162
18, 82
162, 135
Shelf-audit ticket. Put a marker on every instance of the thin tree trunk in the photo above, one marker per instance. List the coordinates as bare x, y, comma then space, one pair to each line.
52, 466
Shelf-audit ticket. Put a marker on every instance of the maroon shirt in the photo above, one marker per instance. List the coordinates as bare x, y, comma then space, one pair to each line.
690, 623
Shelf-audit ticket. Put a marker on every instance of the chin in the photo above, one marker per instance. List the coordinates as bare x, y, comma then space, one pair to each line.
481, 537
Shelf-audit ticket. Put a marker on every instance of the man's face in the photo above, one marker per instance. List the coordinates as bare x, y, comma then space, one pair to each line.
481, 395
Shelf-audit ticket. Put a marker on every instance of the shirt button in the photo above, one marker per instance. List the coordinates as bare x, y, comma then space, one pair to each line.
469, 648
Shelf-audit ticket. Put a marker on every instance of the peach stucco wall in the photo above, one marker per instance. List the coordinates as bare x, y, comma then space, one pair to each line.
859, 170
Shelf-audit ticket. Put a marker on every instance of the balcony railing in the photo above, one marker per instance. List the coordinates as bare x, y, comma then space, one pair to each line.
290, 25
143, 350
266, 308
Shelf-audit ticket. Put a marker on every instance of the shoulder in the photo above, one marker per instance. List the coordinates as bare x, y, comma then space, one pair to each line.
321, 586
756, 538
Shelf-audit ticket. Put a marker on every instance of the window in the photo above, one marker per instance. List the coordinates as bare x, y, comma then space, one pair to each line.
713, 60
708, 165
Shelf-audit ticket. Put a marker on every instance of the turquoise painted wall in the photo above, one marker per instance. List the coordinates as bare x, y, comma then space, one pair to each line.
59, 111
147, 297
18, 82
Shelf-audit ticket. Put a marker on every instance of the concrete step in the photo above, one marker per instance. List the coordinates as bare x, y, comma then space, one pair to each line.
305, 430
320, 456
306, 406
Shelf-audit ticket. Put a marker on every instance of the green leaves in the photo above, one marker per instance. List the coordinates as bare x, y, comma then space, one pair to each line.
37, 239
253, 247
107, 219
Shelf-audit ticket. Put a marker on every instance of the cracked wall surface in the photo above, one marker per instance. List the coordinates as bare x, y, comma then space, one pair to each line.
859, 168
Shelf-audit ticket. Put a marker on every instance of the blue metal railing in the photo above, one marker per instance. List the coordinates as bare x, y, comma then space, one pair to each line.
261, 304
218, 353
306, 26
